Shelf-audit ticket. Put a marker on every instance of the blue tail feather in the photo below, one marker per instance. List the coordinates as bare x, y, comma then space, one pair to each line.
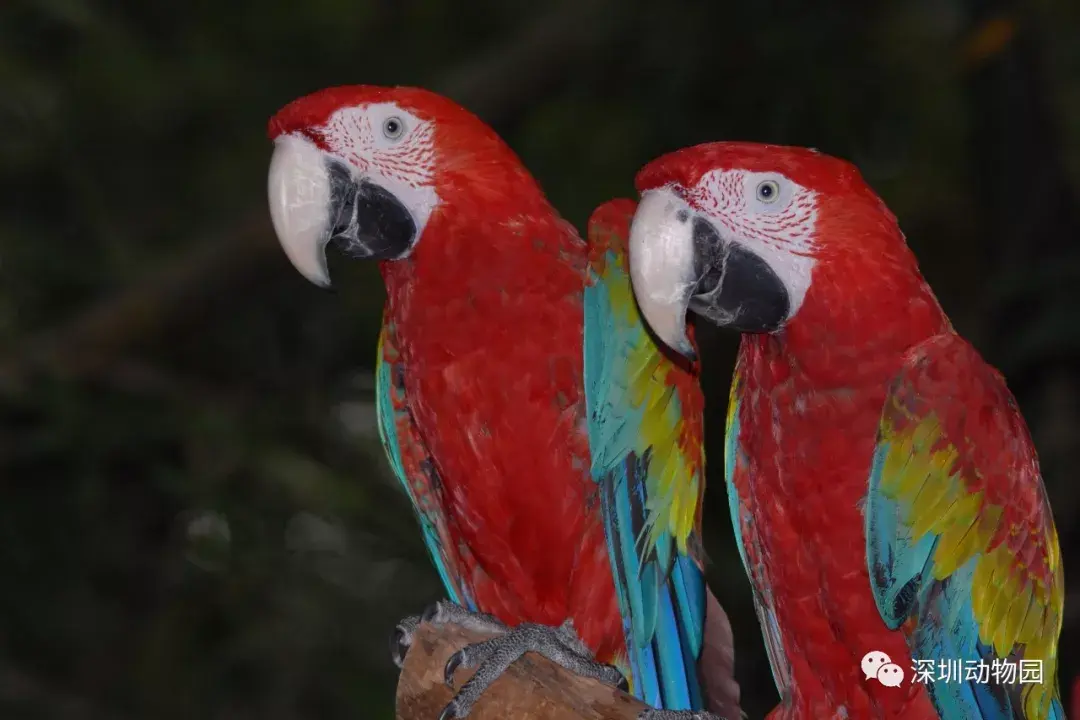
690, 592
674, 675
661, 595
664, 628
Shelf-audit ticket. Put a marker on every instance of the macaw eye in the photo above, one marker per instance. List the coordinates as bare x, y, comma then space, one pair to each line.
768, 191
393, 128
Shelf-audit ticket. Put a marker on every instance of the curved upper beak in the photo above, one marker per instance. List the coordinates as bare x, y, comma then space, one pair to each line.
662, 265
316, 199
680, 261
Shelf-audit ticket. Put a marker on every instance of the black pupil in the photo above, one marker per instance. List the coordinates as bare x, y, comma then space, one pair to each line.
392, 127
766, 191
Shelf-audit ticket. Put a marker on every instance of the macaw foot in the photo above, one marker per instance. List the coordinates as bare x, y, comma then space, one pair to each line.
492, 657
402, 638
440, 613
678, 715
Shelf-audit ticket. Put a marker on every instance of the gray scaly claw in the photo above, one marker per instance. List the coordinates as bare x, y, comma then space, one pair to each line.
445, 612
401, 639
439, 613
492, 657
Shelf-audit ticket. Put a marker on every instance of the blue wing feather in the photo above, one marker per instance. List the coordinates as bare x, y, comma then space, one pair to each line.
421, 482
931, 526
905, 584
648, 494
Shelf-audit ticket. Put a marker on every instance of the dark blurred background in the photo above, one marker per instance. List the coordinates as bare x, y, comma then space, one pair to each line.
196, 520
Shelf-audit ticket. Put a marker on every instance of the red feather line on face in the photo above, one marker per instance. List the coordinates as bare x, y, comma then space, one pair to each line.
864, 268
472, 162
312, 111
809, 168
844, 194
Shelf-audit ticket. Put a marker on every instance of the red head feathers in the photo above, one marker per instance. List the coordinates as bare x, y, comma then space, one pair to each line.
761, 238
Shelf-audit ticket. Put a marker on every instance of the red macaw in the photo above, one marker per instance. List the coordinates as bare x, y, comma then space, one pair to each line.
884, 489
551, 451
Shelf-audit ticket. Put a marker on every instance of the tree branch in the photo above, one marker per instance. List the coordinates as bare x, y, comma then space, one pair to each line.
533, 687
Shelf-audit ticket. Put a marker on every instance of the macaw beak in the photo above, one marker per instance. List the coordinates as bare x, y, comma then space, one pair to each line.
681, 261
317, 199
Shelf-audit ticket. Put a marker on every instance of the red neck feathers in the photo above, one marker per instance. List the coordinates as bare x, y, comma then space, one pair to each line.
867, 305
491, 214
492, 232
492, 248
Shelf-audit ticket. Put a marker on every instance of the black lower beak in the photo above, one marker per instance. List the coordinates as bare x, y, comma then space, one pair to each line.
736, 288
368, 222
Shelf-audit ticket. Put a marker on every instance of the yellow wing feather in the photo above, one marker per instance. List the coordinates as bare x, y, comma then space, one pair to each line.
982, 501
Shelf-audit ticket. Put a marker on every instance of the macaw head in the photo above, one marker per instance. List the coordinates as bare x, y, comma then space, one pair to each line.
367, 168
757, 238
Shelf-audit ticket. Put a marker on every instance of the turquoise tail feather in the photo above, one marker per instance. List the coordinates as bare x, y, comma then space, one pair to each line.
666, 615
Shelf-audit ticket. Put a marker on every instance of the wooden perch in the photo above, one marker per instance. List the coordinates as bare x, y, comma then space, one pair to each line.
533, 687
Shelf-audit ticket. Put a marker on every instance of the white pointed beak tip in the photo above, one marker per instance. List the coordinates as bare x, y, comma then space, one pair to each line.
662, 266
299, 198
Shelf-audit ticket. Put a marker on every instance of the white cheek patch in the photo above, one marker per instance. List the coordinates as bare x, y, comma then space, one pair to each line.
781, 232
404, 167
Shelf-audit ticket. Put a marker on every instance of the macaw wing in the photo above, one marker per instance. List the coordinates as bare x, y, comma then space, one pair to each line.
415, 469
645, 436
961, 545
735, 467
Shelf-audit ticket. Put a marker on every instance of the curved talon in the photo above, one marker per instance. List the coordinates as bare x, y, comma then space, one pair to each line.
451, 667
449, 712
623, 684
493, 656
399, 646
430, 613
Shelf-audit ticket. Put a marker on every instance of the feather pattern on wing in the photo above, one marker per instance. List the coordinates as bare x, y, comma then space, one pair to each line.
962, 550
735, 462
414, 468
645, 435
